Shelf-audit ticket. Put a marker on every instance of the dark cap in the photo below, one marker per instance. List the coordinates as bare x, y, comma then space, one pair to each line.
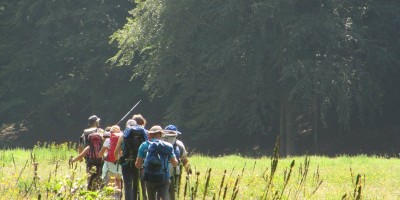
93, 119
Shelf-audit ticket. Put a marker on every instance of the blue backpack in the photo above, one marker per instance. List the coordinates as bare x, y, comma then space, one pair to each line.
156, 162
177, 152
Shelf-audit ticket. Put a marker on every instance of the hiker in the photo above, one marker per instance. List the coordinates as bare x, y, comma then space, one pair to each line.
91, 140
94, 124
106, 136
133, 136
181, 155
141, 121
155, 154
110, 167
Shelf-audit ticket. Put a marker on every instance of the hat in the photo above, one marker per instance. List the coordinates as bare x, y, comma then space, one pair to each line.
131, 122
156, 129
172, 128
93, 119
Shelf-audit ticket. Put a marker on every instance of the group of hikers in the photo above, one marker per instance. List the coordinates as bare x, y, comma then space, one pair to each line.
124, 159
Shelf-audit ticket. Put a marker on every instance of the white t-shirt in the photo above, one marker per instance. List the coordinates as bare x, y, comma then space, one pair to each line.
107, 143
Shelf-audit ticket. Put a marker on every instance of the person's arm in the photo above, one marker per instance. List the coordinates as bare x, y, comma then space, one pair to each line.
81, 155
139, 162
102, 151
184, 158
118, 147
141, 155
183, 151
173, 161
80, 144
106, 146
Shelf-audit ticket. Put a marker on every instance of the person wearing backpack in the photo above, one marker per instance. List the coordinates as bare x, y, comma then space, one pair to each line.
141, 121
134, 135
94, 126
92, 140
154, 155
110, 167
181, 155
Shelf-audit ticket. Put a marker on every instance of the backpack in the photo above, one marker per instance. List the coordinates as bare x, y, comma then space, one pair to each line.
156, 162
177, 152
113, 144
131, 144
84, 138
95, 143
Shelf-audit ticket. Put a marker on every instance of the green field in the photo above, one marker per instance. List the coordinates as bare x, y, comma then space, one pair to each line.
229, 177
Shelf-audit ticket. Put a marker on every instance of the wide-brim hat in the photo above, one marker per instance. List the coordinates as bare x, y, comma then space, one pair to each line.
156, 129
170, 133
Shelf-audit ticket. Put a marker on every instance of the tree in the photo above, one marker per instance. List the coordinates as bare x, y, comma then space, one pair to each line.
53, 56
241, 66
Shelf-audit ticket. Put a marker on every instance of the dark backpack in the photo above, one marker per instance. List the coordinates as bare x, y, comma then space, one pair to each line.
83, 140
95, 143
156, 162
131, 144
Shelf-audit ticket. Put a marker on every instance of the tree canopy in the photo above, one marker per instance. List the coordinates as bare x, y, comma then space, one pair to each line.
238, 73
241, 68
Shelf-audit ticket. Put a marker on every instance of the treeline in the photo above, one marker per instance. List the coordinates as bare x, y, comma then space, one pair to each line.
231, 75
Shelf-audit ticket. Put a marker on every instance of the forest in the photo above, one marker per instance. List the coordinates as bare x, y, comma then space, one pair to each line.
323, 76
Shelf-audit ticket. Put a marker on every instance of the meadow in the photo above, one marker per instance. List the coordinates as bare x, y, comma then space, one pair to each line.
44, 173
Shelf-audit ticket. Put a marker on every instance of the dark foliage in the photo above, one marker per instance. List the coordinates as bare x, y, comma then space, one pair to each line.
233, 73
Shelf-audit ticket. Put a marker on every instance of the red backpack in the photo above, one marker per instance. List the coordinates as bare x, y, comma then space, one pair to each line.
95, 144
113, 143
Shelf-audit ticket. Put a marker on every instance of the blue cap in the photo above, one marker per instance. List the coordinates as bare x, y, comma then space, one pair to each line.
172, 128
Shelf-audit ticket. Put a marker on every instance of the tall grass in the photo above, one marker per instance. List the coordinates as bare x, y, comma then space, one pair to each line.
44, 173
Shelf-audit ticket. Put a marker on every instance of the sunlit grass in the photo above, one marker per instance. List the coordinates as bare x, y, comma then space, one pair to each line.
233, 176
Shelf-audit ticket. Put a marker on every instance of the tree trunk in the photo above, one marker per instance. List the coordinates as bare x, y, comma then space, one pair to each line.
316, 124
287, 129
290, 130
282, 129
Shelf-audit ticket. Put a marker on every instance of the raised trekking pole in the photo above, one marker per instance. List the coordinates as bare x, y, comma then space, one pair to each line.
129, 112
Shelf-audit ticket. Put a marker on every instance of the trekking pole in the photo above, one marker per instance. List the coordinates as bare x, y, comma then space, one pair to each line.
129, 112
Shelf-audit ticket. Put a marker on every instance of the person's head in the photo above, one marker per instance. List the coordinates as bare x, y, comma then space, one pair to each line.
156, 132
94, 121
107, 133
172, 128
115, 129
131, 123
140, 120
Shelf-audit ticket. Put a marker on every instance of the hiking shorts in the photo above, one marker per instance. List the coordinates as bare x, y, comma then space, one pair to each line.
112, 169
